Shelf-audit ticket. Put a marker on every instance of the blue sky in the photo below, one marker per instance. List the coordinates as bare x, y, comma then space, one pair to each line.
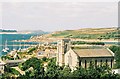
54, 16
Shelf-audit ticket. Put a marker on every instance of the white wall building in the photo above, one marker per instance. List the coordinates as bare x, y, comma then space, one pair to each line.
2, 64
82, 56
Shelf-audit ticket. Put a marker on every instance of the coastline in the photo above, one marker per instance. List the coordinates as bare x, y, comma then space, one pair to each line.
15, 32
42, 39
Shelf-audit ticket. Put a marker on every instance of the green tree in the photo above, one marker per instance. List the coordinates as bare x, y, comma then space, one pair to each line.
33, 67
65, 72
116, 51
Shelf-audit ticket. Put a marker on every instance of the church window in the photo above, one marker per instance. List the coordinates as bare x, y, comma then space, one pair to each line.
95, 62
90, 63
106, 62
85, 64
70, 60
111, 62
100, 62
80, 63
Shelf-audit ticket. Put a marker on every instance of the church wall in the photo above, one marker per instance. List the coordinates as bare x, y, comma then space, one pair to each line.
99, 60
71, 59
66, 56
62, 47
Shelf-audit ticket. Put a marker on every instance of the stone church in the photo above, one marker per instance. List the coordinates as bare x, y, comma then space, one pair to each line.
82, 56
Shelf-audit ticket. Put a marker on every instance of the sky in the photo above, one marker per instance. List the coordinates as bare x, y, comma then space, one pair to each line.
56, 16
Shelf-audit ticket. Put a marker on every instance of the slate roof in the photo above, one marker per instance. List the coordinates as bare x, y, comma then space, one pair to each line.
97, 52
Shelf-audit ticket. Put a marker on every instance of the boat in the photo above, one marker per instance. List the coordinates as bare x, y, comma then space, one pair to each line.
12, 52
24, 48
6, 49
19, 48
13, 47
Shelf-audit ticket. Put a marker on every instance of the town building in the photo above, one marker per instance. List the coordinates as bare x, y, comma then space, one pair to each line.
83, 56
2, 64
13, 63
49, 53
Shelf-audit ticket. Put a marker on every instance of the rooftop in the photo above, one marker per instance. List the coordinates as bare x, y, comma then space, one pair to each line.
2, 63
94, 52
14, 61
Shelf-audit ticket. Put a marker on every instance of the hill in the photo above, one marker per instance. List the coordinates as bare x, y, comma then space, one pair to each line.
2, 30
88, 33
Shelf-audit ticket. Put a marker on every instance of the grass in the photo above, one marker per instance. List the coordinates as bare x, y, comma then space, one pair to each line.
96, 33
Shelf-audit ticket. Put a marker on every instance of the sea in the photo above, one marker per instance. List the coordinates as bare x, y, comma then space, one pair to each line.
9, 41
11, 44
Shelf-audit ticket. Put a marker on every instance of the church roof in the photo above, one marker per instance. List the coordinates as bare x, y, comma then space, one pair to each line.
97, 52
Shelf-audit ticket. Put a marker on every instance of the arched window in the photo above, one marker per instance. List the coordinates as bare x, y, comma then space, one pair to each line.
70, 59
85, 64
101, 62
111, 62
90, 63
106, 62
95, 62
66, 48
80, 63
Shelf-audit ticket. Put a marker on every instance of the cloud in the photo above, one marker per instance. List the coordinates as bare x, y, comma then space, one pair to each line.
62, 15
0, 15
59, 0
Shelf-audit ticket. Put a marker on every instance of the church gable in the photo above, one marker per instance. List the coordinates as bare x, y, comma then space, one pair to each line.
71, 58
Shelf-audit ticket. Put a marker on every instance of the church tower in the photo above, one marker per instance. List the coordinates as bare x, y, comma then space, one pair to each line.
62, 47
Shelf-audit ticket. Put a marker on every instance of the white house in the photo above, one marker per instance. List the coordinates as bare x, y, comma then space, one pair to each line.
2, 64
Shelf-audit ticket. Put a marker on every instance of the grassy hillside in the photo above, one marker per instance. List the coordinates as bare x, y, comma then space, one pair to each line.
88, 33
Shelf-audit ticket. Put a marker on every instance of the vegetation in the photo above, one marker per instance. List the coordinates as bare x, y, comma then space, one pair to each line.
31, 50
89, 33
116, 50
83, 42
34, 70
32, 62
10, 72
44, 59
5, 57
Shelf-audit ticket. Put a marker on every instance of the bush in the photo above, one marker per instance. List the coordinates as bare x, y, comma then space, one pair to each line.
90, 43
31, 50
32, 62
11, 70
116, 51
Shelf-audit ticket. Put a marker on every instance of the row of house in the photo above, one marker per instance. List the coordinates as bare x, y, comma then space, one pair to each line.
49, 53
11, 63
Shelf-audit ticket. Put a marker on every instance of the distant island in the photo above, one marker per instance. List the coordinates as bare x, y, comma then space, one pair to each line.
2, 30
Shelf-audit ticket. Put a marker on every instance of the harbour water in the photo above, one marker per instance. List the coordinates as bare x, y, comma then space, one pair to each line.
11, 44
14, 45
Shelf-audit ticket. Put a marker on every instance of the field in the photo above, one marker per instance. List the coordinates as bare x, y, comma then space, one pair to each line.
88, 33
